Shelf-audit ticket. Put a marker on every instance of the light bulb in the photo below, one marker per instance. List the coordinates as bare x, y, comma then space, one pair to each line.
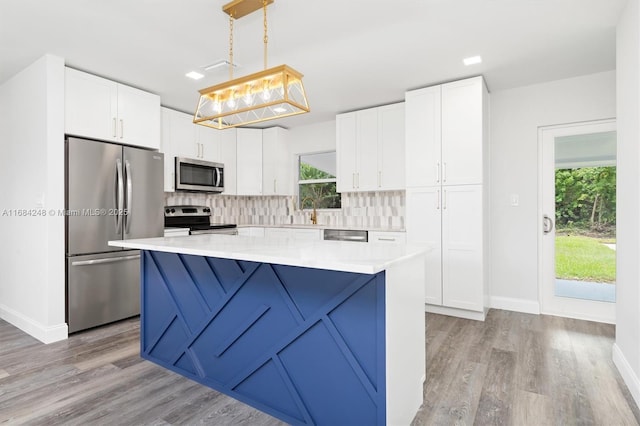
248, 99
231, 102
266, 93
217, 107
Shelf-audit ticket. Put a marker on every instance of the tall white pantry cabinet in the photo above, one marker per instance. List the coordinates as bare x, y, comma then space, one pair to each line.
447, 181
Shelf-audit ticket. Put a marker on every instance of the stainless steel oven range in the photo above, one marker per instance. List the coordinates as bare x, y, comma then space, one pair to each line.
197, 219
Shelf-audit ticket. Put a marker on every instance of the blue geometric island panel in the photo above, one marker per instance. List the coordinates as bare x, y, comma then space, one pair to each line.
304, 345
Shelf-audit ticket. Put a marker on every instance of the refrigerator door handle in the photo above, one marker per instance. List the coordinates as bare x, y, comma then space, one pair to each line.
127, 207
102, 261
119, 195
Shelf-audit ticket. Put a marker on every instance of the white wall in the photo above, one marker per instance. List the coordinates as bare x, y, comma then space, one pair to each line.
516, 115
32, 287
626, 351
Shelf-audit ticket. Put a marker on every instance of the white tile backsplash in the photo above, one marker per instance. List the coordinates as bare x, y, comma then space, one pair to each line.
359, 209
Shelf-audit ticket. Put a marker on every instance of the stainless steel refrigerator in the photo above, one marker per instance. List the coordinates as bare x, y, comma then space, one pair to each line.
113, 192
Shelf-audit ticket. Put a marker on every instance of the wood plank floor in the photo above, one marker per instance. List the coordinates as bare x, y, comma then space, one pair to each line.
513, 369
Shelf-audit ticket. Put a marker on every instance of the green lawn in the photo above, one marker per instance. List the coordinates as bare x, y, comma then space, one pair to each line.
585, 259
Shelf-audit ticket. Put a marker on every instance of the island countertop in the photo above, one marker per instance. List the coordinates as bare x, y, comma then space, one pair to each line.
343, 256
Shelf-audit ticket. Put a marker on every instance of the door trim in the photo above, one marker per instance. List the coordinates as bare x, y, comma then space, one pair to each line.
598, 311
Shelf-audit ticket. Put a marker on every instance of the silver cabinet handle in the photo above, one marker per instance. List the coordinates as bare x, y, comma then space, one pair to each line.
127, 208
119, 195
274, 186
438, 172
353, 180
173, 180
386, 239
358, 180
121, 128
547, 224
438, 199
444, 200
444, 172
103, 261
379, 179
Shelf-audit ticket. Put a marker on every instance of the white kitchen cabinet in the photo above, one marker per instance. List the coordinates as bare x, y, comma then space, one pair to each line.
102, 109
424, 227
450, 221
446, 134
298, 234
277, 164
391, 147
387, 237
370, 149
447, 192
228, 158
249, 162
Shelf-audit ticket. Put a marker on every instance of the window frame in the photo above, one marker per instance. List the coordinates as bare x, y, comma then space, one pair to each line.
314, 181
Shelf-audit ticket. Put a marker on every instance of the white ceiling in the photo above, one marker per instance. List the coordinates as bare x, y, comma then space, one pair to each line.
353, 53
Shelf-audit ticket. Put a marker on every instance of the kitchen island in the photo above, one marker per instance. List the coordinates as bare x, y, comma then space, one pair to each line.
311, 332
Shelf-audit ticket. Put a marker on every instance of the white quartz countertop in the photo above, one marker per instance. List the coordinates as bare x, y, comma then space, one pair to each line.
323, 226
344, 256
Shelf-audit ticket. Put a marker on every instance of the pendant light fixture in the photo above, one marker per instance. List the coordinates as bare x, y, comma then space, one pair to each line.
266, 95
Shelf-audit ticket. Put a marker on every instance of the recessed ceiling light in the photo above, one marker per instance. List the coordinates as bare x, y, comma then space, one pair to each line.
472, 60
194, 75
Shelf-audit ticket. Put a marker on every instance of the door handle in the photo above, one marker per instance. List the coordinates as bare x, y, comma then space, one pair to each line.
119, 195
127, 208
103, 261
547, 224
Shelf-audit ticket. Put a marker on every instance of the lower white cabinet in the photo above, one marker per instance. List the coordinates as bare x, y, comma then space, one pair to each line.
387, 237
298, 234
450, 220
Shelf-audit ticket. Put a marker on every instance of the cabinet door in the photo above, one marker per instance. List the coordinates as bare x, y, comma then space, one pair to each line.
138, 117
367, 150
90, 106
387, 237
462, 132
391, 147
167, 148
277, 164
423, 137
209, 140
228, 158
424, 227
462, 280
183, 135
346, 141
301, 234
249, 161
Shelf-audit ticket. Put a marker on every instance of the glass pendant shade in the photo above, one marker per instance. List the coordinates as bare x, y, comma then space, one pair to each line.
266, 95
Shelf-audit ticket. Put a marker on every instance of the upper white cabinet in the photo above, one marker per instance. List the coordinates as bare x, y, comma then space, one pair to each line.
249, 162
277, 164
445, 134
102, 109
370, 149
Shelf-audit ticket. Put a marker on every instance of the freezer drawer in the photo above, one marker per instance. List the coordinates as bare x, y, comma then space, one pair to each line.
102, 288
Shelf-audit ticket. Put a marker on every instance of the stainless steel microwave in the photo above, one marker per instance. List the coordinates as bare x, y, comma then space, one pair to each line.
198, 175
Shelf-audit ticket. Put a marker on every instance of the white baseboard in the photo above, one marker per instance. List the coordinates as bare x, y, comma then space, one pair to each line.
515, 305
33, 328
454, 312
628, 375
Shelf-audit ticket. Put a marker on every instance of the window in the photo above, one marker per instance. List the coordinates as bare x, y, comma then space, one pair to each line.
317, 181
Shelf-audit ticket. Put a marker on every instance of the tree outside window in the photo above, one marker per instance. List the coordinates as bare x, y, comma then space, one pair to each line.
317, 181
